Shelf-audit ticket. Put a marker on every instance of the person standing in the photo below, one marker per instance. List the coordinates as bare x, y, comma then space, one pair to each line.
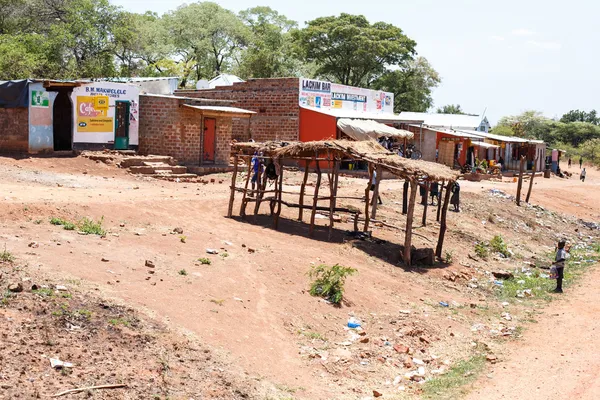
580, 162
257, 166
373, 183
582, 176
455, 199
435, 189
559, 263
569, 162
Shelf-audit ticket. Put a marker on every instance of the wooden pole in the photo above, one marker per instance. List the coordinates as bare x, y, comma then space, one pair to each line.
440, 244
405, 198
367, 195
302, 189
531, 181
311, 230
520, 184
233, 178
440, 193
378, 172
424, 221
409, 223
243, 205
332, 201
279, 193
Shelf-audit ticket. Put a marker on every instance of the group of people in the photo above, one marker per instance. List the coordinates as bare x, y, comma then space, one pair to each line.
434, 193
583, 171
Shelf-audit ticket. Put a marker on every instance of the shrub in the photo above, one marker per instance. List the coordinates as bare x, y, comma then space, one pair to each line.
204, 261
57, 221
448, 257
6, 256
481, 249
329, 281
497, 244
91, 227
183, 272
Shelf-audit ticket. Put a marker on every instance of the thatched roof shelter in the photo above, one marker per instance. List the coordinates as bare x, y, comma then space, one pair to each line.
367, 150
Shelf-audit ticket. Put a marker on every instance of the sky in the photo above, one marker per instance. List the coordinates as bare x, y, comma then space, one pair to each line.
503, 57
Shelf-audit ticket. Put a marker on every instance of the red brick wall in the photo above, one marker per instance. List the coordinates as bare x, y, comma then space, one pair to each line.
14, 129
170, 130
274, 100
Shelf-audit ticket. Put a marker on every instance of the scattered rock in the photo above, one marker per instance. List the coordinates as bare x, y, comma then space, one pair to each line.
212, 251
364, 340
503, 274
58, 364
34, 245
491, 358
151, 271
400, 348
150, 264
377, 393
178, 231
104, 259
15, 287
61, 288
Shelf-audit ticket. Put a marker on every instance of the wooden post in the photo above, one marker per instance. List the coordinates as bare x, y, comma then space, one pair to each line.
279, 193
243, 205
424, 221
440, 244
233, 178
409, 223
440, 193
520, 184
332, 200
311, 230
302, 189
531, 181
405, 198
378, 172
367, 195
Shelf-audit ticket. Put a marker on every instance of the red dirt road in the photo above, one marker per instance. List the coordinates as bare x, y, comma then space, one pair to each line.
557, 358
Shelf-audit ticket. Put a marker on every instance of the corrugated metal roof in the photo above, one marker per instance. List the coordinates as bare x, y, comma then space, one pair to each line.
224, 80
223, 109
380, 117
446, 120
461, 134
360, 129
485, 145
500, 138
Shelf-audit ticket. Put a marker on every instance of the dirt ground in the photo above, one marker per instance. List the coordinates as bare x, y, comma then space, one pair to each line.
251, 305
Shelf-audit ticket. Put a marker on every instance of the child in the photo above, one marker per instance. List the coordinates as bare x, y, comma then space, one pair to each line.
455, 199
582, 176
559, 262
257, 167
434, 192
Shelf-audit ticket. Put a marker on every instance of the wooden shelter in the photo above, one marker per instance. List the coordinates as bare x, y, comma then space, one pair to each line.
317, 155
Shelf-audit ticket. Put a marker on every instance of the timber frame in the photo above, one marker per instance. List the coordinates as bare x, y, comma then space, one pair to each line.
328, 155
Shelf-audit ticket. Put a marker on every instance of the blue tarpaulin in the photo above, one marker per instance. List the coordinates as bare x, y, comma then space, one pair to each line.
14, 93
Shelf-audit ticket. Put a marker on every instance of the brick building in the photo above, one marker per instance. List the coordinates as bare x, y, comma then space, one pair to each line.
14, 129
194, 131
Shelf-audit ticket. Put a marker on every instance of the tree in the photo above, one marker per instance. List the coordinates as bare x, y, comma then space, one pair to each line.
19, 58
529, 124
450, 109
207, 39
581, 116
269, 52
591, 150
411, 84
503, 130
349, 50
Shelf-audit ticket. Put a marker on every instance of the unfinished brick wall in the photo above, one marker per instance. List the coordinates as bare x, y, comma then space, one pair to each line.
167, 128
275, 101
14, 129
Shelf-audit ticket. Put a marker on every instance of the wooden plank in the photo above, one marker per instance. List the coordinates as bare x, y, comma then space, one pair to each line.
409, 223
279, 199
311, 229
405, 198
531, 181
440, 244
424, 220
332, 200
302, 190
378, 173
367, 195
520, 184
439, 206
244, 203
233, 178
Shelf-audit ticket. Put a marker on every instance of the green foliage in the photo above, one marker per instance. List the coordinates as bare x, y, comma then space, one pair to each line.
44, 292
182, 238
450, 109
350, 50
481, 249
57, 221
87, 314
204, 261
91, 227
498, 245
451, 385
503, 130
183, 272
581, 116
329, 281
412, 84
5, 298
6, 256
449, 256
119, 321
312, 335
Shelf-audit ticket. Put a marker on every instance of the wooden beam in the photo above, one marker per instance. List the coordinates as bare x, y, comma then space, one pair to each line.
405, 198
332, 201
311, 229
233, 178
409, 223
367, 196
279, 193
302, 189
440, 193
440, 244
244, 203
520, 184
378, 173
424, 220
531, 181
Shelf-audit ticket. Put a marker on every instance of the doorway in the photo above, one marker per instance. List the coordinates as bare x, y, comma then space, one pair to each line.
209, 141
62, 117
122, 110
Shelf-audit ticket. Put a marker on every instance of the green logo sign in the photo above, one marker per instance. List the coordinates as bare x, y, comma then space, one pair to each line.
39, 98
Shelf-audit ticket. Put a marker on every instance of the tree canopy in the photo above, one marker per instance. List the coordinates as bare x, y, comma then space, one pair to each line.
450, 109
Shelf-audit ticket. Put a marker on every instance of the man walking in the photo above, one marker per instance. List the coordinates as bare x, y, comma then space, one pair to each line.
580, 162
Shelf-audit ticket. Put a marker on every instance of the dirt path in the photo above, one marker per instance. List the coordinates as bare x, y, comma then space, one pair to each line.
557, 358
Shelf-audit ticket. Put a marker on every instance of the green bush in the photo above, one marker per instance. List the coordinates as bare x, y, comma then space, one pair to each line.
91, 227
204, 261
497, 244
57, 221
329, 281
481, 249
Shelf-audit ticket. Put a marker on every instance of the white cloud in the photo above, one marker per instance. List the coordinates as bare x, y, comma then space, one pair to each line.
545, 45
522, 32
497, 38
